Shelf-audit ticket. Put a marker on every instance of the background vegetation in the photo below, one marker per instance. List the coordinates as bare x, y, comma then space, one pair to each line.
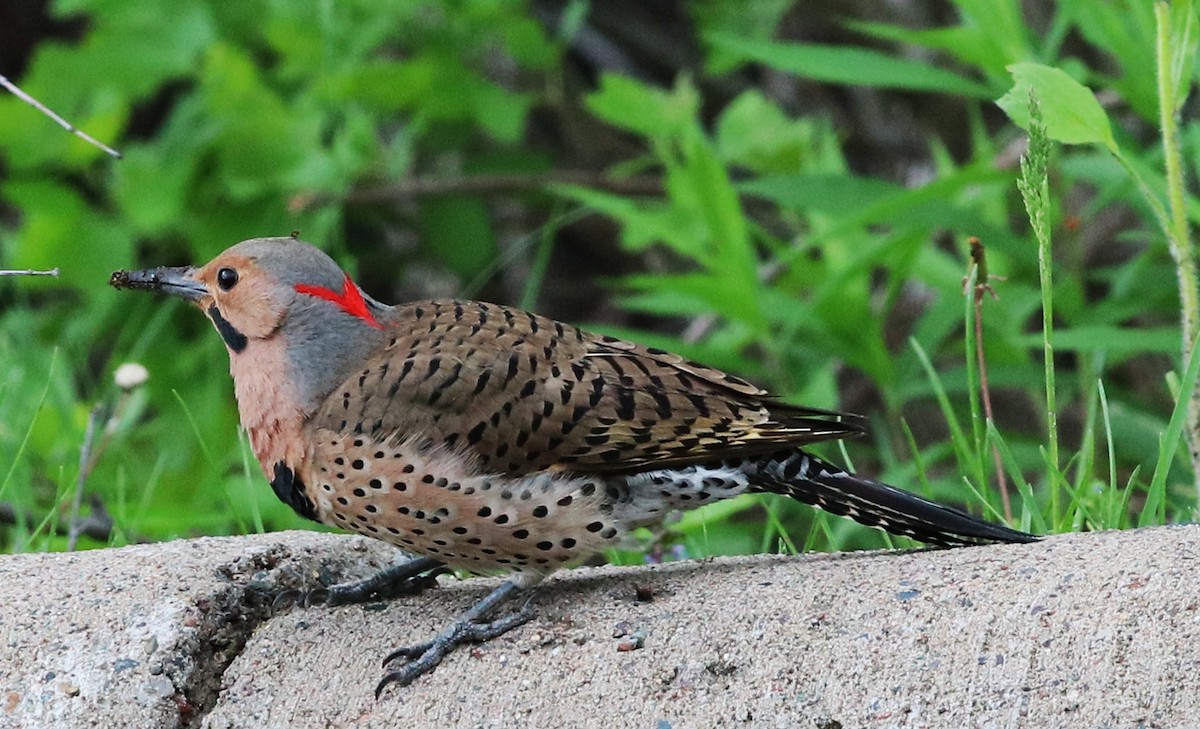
781, 189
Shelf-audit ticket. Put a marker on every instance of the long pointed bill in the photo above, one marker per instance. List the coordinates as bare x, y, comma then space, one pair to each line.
179, 281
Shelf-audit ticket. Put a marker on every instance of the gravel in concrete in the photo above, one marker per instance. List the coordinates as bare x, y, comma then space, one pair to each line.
1092, 630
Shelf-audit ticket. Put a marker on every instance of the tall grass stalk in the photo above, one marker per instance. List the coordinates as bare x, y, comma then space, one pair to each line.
967, 457
1154, 512
1034, 185
1169, 62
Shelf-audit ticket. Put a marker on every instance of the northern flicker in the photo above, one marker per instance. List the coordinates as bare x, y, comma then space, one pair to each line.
491, 439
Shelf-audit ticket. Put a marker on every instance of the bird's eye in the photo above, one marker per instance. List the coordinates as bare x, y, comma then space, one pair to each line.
227, 278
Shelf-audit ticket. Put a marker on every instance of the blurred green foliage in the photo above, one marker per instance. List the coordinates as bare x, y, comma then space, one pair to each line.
786, 263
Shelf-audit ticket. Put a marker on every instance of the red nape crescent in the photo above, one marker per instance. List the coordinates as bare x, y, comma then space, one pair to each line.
349, 301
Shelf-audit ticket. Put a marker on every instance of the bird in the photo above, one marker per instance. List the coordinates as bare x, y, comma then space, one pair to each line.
489, 439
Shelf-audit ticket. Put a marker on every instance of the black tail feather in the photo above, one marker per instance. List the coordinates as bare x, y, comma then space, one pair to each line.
873, 503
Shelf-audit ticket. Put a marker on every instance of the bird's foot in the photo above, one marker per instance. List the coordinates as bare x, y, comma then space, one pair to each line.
422, 658
410, 578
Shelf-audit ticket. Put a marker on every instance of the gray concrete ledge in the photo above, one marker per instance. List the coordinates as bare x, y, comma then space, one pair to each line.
1090, 630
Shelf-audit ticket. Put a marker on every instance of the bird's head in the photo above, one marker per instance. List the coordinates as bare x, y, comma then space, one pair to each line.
265, 289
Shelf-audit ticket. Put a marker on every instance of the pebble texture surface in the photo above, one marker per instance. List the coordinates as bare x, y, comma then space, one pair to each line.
1081, 630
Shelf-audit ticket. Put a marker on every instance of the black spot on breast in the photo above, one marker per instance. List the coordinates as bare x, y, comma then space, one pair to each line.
290, 490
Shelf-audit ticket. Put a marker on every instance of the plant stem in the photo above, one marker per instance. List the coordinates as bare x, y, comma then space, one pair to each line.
983, 286
1046, 283
1176, 227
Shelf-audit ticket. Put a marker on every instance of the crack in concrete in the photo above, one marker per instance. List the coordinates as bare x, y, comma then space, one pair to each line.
231, 616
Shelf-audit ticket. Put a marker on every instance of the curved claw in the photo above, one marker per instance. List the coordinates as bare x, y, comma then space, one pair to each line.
409, 651
317, 596
401, 678
286, 599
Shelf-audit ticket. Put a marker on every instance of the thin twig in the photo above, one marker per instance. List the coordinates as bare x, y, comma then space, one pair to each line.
983, 285
30, 272
61, 122
85, 468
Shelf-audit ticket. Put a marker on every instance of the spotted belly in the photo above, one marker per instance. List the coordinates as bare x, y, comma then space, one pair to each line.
430, 500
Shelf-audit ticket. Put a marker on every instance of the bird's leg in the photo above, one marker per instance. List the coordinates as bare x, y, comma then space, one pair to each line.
409, 578
468, 628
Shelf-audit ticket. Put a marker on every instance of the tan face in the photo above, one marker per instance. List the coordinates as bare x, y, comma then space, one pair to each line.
246, 298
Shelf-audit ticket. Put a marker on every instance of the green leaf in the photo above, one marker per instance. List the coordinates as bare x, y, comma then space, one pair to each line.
701, 187
1110, 339
435, 87
835, 195
389, 85
688, 294
261, 139
849, 65
526, 41
969, 44
1124, 29
1185, 26
1070, 110
752, 131
643, 224
853, 202
645, 110
151, 188
757, 20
